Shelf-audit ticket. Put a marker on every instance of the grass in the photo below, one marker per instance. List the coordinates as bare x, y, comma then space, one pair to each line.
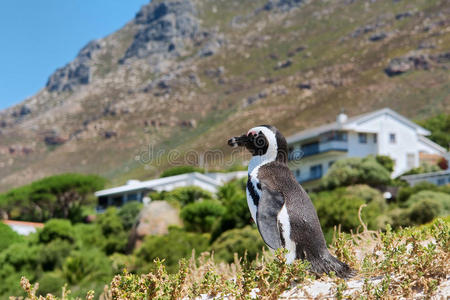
407, 263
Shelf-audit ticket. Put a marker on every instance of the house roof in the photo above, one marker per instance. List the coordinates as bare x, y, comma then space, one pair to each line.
136, 185
352, 123
23, 223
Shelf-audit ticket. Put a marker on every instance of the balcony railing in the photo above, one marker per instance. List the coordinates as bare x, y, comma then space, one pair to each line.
313, 149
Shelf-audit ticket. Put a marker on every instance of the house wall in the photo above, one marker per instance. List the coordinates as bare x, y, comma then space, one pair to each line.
357, 149
407, 141
306, 163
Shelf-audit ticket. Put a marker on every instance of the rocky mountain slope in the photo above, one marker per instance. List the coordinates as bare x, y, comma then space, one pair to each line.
187, 74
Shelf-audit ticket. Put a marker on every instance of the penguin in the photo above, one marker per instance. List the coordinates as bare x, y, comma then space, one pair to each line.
280, 207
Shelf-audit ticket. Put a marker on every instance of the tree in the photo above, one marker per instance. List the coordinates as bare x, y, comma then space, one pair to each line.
201, 216
57, 229
236, 215
171, 247
59, 196
439, 126
386, 162
354, 170
183, 195
8, 237
129, 213
112, 228
242, 241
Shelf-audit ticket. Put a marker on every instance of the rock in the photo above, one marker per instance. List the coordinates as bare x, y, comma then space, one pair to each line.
305, 85
54, 140
163, 27
109, 134
378, 36
403, 15
24, 110
154, 219
210, 48
189, 123
283, 64
282, 5
75, 73
426, 45
400, 65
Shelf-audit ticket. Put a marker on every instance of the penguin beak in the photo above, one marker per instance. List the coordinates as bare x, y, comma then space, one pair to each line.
238, 141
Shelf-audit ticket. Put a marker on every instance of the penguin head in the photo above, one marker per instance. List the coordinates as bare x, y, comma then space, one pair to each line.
263, 140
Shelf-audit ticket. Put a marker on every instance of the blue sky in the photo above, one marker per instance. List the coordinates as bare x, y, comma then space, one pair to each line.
39, 36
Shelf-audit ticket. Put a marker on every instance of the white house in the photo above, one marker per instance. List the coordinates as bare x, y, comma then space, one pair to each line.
382, 132
135, 190
437, 178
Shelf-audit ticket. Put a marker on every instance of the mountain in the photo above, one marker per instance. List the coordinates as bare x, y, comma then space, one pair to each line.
185, 75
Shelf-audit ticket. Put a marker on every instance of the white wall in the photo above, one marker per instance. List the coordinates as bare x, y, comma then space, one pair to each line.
357, 149
306, 163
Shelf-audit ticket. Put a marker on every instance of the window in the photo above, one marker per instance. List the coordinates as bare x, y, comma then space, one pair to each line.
362, 137
297, 173
315, 171
310, 149
441, 181
375, 138
131, 197
392, 138
330, 163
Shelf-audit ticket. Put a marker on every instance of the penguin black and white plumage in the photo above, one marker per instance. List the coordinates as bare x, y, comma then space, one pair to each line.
280, 207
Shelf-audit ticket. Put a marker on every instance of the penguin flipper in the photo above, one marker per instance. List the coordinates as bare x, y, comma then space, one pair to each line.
269, 206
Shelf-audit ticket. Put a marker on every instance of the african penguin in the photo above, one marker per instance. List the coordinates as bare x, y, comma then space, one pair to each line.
280, 207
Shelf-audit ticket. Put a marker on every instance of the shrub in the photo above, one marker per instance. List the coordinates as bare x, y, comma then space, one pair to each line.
8, 237
51, 283
178, 170
355, 170
240, 241
423, 168
425, 210
200, 216
183, 195
59, 196
115, 236
439, 126
129, 213
405, 192
171, 247
386, 162
53, 254
57, 229
237, 214
443, 199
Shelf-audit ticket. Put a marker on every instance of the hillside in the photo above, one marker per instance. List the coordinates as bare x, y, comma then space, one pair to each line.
186, 75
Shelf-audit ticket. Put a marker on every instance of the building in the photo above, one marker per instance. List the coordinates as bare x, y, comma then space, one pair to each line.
135, 190
437, 178
382, 132
23, 228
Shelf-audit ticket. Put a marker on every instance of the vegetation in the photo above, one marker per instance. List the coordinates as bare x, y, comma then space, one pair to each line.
59, 196
397, 258
439, 126
181, 170
350, 171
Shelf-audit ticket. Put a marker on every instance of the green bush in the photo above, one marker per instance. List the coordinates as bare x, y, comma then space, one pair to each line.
59, 196
405, 192
200, 216
236, 215
443, 199
183, 195
387, 162
129, 213
57, 229
240, 241
350, 171
425, 210
111, 226
8, 237
181, 170
423, 168
439, 126
87, 265
341, 206
53, 254
51, 283
171, 247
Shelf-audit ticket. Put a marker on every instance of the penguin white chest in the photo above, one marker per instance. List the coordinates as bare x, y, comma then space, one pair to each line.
253, 191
